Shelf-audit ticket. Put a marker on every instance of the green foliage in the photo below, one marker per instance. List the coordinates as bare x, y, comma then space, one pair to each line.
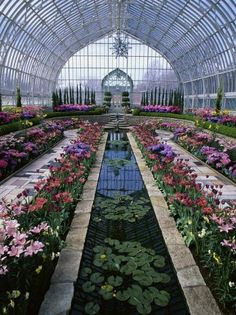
18, 98
117, 164
107, 99
80, 94
0, 102
122, 208
96, 111
92, 308
118, 144
219, 98
136, 111
125, 99
129, 276
18, 125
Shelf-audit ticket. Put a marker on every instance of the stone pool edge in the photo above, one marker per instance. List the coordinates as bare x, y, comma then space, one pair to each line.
59, 296
198, 296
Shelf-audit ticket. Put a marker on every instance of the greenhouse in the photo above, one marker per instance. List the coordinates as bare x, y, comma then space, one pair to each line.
117, 157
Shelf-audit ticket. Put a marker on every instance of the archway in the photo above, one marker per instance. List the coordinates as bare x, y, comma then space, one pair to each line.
116, 82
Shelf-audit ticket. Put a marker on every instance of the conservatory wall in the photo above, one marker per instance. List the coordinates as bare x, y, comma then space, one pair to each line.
146, 67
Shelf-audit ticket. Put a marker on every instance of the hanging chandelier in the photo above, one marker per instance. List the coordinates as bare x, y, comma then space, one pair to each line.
120, 45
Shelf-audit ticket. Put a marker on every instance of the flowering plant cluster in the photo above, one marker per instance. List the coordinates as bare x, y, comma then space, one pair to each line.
162, 109
31, 233
74, 107
6, 117
17, 150
16, 114
207, 222
218, 153
223, 118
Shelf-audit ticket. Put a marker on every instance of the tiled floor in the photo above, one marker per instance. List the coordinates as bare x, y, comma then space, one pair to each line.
26, 178
206, 175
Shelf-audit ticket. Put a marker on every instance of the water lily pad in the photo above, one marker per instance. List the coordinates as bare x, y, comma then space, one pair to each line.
88, 287
144, 308
115, 281
92, 308
162, 299
85, 272
123, 295
106, 292
96, 278
159, 261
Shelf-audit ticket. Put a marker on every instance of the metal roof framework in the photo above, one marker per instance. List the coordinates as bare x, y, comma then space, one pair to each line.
37, 37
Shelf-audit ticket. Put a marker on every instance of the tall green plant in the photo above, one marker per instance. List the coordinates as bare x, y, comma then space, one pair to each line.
147, 98
125, 99
155, 96
77, 94
60, 97
18, 98
80, 94
159, 96
107, 99
151, 98
0, 102
219, 98
163, 97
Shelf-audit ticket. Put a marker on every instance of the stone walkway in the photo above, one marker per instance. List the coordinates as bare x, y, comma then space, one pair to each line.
35, 171
206, 175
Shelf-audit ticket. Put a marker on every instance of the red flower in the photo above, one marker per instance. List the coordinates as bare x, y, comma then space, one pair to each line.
3, 164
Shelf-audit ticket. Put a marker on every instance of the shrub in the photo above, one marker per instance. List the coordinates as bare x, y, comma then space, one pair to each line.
136, 111
107, 99
18, 125
18, 98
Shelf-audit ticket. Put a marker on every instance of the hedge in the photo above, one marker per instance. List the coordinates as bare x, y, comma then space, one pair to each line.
19, 125
97, 111
221, 129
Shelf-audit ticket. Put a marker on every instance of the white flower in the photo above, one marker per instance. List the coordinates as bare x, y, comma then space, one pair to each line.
231, 284
202, 234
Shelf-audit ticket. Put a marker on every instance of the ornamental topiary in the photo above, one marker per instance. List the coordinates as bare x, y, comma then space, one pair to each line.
107, 98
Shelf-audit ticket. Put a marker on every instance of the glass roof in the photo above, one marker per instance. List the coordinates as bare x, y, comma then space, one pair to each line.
37, 37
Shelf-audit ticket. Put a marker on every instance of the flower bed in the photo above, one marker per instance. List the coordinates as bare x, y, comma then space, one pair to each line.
74, 107
207, 223
223, 118
17, 150
31, 234
17, 113
162, 109
218, 153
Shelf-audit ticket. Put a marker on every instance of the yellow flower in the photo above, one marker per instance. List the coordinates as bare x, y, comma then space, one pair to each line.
103, 256
209, 126
39, 269
190, 222
206, 219
217, 258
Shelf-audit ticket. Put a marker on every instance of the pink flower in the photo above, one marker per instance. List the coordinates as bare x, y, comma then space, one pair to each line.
41, 227
226, 243
226, 227
15, 251
34, 248
3, 270
3, 249
19, 239
11, 227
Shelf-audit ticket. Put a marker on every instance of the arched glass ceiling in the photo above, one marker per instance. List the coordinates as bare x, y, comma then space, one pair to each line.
37, 37
90, 65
